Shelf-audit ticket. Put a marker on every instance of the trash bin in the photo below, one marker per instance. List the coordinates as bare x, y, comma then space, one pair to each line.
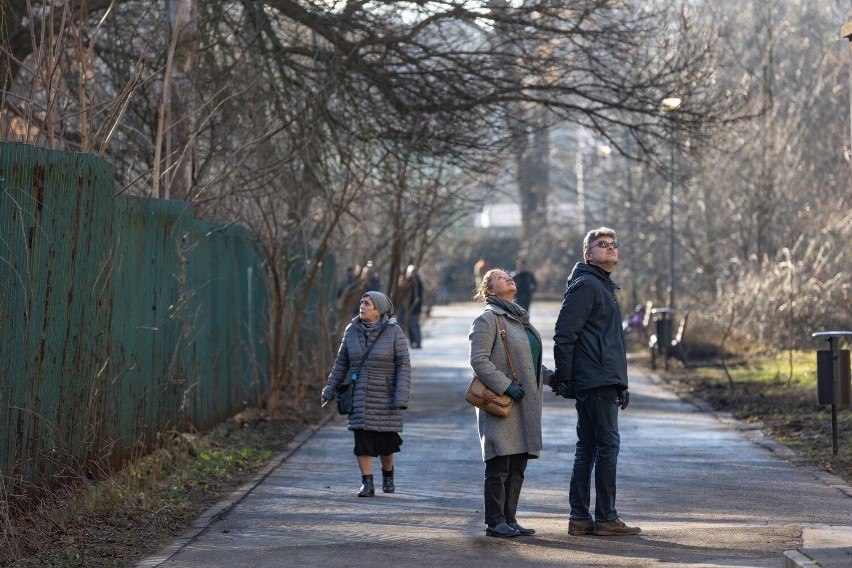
661, 342
833, 386
663, 330
830, 391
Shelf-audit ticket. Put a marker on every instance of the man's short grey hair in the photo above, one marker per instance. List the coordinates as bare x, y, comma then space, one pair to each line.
595, 234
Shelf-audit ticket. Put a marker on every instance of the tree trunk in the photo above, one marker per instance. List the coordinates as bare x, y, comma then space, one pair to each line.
533, 178
180, 101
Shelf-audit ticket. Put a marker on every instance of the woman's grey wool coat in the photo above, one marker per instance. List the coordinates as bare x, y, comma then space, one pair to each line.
520, 432
384, 381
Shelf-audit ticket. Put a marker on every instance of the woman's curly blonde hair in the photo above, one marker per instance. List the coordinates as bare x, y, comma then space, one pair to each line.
482, 291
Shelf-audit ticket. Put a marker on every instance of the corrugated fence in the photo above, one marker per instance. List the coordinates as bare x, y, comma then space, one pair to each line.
120, 317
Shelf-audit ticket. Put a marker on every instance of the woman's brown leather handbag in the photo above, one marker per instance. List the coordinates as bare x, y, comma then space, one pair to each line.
483, 397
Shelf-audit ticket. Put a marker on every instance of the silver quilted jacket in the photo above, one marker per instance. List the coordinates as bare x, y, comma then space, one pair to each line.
384, 381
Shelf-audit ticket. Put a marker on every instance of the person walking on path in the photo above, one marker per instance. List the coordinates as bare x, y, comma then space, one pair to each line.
507, 443
591, 366
525, 283
479, 270
380, 384
412, 290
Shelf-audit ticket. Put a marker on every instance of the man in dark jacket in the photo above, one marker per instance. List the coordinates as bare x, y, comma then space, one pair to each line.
591, 366
525, 284
413, 305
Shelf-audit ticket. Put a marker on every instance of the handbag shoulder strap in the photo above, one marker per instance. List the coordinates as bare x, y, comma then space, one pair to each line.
506, 345
370, 348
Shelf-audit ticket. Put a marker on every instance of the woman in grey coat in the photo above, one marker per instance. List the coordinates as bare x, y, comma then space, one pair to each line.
507, 443
380, 389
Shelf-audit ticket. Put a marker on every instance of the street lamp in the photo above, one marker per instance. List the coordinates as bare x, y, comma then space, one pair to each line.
603, 151
846, 32
581, 192
671, 104
585, 144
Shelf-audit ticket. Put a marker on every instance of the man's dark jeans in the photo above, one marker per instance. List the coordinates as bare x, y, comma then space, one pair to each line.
598, 442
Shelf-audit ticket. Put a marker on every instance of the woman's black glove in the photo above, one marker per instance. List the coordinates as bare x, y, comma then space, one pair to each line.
515, 392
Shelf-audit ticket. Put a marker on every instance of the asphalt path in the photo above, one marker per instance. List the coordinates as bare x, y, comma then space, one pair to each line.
705, 490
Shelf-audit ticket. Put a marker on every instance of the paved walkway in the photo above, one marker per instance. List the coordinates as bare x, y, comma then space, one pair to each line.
705, 492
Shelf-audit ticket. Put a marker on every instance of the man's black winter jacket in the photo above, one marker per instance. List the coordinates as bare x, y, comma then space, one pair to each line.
589, 339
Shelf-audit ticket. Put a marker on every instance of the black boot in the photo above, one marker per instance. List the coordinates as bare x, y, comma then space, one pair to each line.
387, 481
367, 489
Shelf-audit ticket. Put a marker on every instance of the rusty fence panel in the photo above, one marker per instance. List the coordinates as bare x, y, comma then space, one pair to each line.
120, 317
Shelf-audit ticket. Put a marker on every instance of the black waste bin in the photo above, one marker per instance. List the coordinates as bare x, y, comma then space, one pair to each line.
661, 342
663, 329
833, 386
830, 391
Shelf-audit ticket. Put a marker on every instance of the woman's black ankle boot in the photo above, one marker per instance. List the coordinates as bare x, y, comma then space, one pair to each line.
367, 489
387, 481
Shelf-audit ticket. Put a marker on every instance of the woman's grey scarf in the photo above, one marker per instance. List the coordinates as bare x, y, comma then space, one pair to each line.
371, 329
512, 309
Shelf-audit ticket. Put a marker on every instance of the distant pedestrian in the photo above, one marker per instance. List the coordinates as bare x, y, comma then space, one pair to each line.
591, 366
526, 284
381, 386
349, 289
479, 270
507, 443
412, 305
374, 283
347, 281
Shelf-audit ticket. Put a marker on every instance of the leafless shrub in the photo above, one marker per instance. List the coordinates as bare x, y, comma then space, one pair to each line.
778, 303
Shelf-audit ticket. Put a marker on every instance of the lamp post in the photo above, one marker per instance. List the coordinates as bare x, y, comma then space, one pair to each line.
581, 192
605, 194
631, 232
671, 104
846, 32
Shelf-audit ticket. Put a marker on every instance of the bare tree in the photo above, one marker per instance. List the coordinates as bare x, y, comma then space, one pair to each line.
292, 115
177, 107
764, 192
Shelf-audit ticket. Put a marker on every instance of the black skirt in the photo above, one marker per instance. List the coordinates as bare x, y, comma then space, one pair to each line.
369, 443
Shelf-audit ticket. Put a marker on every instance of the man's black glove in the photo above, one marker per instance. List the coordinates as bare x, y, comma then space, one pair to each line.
515, 392
623, 398
561, 386
548, 377
551, 381
565, 389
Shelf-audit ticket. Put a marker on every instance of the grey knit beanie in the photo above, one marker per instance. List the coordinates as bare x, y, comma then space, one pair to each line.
382, 302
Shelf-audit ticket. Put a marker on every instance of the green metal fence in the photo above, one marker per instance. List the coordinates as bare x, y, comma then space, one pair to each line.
120, 317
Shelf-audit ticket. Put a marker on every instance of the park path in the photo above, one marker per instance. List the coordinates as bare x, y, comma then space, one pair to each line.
705, 491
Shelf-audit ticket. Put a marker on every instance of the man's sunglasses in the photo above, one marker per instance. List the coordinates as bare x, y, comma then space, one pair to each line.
604, 245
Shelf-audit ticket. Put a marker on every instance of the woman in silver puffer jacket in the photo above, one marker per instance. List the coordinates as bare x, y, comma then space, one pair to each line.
380, 389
